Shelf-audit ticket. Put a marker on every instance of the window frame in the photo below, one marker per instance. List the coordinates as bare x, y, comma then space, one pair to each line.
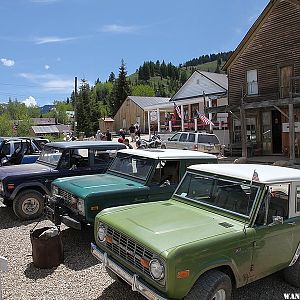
252, 86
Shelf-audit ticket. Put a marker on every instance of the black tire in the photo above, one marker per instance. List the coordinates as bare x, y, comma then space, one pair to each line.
114, 276
29, 205
292, 274
163, 147
209, 284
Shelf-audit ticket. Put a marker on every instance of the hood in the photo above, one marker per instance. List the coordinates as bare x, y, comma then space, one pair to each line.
168, 224
83, 186
22, 170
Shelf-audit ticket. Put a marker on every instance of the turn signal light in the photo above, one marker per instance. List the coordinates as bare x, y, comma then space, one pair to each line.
94, 208
109, 239
144, 263
10, 186
183, 274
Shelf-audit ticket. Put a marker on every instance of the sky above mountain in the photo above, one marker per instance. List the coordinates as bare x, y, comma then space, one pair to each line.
46, 43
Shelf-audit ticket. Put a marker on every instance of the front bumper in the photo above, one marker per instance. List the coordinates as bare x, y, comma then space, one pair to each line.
58, 213
132, 279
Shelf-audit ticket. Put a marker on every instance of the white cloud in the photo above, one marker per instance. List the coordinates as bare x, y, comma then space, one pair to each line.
58, 59
47, 67
50, 82
114, 28
52, 39
30, 101
7, 62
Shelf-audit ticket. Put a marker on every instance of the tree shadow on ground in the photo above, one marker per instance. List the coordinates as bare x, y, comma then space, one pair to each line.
77, 248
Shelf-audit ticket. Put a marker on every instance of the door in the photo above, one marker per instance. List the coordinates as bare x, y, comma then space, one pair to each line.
286, 73
164, 180
172, 143
276, 131
274, 242
266, 132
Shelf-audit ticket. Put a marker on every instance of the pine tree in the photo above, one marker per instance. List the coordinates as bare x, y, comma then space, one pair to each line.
121, 90
111, 77
83, 109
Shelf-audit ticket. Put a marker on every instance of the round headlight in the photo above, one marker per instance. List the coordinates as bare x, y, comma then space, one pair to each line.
157, 269
101, 233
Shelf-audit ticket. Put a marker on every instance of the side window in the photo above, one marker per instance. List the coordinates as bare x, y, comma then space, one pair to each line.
298, 199
175, 137
104, 157
6, 149
275, 204
183, 137
65, 160
166, 170
252, 84
79, 158
192, 137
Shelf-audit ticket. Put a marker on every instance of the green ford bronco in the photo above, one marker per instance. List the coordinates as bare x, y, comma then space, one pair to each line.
224, 227
134, 176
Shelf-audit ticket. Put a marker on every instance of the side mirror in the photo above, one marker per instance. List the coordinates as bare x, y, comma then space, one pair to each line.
277, 220
168, 139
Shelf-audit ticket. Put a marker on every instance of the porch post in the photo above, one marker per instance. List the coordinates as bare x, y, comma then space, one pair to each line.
170, 125
158, 121
149, 130
182, 118
291, 129
210, 116
243, 129
196, 125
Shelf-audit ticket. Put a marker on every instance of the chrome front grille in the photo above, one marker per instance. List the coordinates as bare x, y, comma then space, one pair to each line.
128, 250
65, 195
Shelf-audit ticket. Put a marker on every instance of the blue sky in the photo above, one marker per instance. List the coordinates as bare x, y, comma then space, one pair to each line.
46, 43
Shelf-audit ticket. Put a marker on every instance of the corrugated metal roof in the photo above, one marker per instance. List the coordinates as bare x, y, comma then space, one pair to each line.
60, 128
143, 102
43, 121
45, 129
202, 82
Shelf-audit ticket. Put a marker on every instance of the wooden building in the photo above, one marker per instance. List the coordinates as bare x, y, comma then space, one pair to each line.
133, 110
263, 78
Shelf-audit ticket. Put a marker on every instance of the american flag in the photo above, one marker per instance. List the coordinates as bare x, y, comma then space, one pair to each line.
177, 110
204, 119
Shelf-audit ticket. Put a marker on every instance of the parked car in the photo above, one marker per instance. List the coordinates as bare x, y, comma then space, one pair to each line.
24, 186
225, 226
15, 151
134, 176
200, 141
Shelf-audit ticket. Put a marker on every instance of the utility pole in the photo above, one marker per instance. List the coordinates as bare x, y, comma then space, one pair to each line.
75, 103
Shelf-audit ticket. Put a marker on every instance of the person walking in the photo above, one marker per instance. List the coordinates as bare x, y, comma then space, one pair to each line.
132, 132
108, 135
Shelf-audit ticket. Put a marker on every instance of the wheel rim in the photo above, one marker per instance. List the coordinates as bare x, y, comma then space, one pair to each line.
219, 295
30, 206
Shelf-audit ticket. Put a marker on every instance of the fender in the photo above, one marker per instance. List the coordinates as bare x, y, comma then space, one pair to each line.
31, 184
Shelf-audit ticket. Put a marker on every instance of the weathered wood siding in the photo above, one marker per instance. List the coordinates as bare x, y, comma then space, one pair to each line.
275, 44
129, 111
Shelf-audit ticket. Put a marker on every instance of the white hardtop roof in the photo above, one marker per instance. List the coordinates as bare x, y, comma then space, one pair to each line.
266, 173
168, 153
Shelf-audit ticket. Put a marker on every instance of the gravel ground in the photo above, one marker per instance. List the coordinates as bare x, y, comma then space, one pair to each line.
81, 277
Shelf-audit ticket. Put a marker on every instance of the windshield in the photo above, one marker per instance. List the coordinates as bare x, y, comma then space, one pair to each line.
230, 195
134, 166
50, 155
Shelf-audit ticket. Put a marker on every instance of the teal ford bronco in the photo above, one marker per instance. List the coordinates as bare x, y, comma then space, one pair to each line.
134, 176
225, 226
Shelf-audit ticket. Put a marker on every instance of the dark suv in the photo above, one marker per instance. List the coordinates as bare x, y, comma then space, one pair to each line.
24, 186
